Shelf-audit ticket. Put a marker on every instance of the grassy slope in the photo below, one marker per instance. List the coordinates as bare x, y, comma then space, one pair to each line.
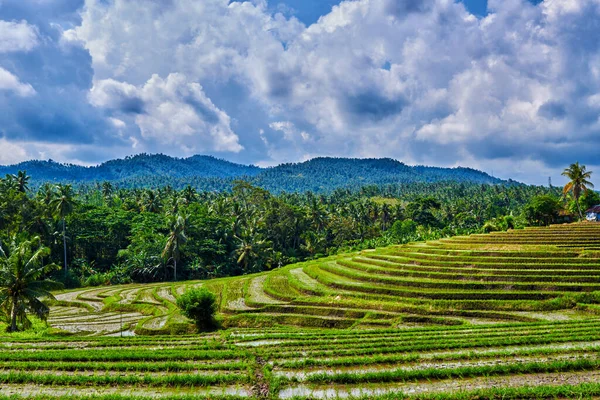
528, 275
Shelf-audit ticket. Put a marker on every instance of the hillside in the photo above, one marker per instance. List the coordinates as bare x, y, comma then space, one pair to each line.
505, 315
527, 275
131, 168
208, 173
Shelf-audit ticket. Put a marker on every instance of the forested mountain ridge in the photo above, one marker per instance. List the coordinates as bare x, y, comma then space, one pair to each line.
318, 175
133, 167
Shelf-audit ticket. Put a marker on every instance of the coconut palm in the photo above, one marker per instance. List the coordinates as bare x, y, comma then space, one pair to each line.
252, 246
175, 240
23, 283
107, 191
189, 195
150, 202
21, 181
63, 205
45, 195
579, 181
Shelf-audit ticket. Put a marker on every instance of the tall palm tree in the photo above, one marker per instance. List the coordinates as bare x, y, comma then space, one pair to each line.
317, 214
175, 240
23, 283
579, 181
107, 190
63, 205
45, 195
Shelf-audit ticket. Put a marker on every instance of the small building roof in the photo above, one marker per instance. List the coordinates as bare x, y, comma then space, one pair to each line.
595, 209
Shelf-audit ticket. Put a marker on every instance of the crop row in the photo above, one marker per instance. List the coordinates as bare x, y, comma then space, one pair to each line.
400, 259
330, 276
437, 345
467, 281
461, 274
150, 366
312, 335
414, 358
393, 266
403, 375
441, 339
117, 355
166, 380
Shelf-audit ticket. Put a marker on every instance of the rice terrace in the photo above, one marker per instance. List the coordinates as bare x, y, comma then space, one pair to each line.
506, 315
299, 199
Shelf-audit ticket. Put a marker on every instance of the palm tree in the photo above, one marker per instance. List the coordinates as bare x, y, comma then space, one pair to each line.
150, 202
578, 182
107, 191
23, 283
45, 195
189, 194
317, 214
21, 181
175, 240
63, 205
250, 249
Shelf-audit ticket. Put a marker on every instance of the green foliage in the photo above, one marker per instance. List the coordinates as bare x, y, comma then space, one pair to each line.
402, 229
504, 223
23, 284
587, 200
199, 305
542, 210
116, 235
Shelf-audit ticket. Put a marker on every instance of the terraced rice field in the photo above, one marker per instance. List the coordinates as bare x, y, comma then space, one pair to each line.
538, 274
518, 360
505, 315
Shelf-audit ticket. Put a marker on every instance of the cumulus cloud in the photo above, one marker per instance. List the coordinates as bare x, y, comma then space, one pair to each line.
11, 83
423, 81
17, 36
170, 111
11, 153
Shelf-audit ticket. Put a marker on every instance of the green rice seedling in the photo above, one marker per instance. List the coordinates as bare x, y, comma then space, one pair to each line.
402, 375
167, 380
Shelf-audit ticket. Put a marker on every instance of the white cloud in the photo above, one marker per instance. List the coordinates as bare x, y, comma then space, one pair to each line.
11, 83
17, 36
419, 80
11, 153
169, 111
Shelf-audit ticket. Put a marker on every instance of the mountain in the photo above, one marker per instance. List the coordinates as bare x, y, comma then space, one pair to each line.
133, 167
319, 175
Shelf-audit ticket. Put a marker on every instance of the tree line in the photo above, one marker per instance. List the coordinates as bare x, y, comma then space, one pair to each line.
102, 234
105, 234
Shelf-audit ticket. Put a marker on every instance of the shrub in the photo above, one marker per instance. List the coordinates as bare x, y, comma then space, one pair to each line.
199, 305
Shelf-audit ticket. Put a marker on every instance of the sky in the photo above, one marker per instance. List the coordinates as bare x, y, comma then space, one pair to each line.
507, 86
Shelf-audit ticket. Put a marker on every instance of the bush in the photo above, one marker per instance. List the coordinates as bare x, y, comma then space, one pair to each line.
199, 305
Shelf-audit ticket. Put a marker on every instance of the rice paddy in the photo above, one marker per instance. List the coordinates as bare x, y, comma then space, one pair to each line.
503, 315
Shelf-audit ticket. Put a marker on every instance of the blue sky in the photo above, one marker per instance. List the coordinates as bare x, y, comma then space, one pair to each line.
511, 86
309, 11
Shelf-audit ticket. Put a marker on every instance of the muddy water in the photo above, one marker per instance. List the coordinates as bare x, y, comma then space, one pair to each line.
303, 374
452, 385
591, 346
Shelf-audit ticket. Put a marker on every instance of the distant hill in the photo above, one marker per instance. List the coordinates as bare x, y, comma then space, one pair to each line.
319, 175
